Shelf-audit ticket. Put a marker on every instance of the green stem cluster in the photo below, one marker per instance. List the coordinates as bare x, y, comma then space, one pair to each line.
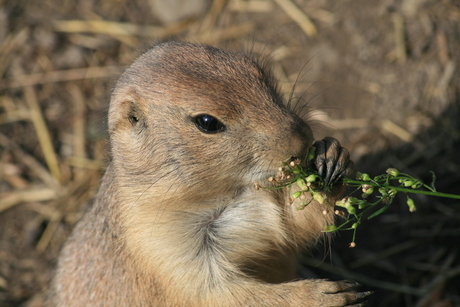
377, 193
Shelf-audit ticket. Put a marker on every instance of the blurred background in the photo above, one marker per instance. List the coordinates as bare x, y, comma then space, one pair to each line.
381, 76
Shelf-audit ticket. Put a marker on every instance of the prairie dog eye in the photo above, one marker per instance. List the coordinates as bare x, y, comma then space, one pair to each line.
208, 124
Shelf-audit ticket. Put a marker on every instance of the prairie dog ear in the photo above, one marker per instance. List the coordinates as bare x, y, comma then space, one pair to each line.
127, 113
132, 112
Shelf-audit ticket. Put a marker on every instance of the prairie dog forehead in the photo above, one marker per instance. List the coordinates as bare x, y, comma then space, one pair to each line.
176, 60
201, 79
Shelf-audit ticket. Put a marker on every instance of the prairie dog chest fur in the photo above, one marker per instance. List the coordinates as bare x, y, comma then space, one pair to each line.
177, 220
242, 227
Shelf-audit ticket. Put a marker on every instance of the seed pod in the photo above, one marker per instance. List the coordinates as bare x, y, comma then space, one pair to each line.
355, 225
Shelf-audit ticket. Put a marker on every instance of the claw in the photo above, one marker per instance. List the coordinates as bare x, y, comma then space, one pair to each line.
339, 169
351, 284
360, 296
320, 155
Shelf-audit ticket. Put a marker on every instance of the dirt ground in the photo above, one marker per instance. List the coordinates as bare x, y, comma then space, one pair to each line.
381, 76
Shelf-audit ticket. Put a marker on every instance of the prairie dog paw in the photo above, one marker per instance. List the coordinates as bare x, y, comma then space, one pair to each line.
332, 160
337, 293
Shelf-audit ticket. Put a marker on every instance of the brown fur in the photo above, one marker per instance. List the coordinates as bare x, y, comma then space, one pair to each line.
177, 220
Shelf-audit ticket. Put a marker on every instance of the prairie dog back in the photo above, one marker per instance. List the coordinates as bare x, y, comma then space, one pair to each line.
177, 220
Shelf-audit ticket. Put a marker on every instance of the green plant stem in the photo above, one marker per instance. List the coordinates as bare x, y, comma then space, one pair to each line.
399, 189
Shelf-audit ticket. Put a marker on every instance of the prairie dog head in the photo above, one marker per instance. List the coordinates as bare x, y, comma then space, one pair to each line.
195, 121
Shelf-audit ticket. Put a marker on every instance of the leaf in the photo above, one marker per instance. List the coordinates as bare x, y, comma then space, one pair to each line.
380, 211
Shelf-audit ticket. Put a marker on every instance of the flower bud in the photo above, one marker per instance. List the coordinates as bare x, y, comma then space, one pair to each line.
311, 153
362, 176
351, 209
311, 178
301, 206
393, 172
301, 184
296, 194
408, 183
353, 200
330, 228
368, 192
318, 197
341, 203
411, 204
363, 204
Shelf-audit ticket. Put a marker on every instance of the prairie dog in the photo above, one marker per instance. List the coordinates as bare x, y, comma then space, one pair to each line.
177, 220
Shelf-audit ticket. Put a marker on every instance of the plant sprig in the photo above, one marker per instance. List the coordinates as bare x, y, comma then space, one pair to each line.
354, 207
